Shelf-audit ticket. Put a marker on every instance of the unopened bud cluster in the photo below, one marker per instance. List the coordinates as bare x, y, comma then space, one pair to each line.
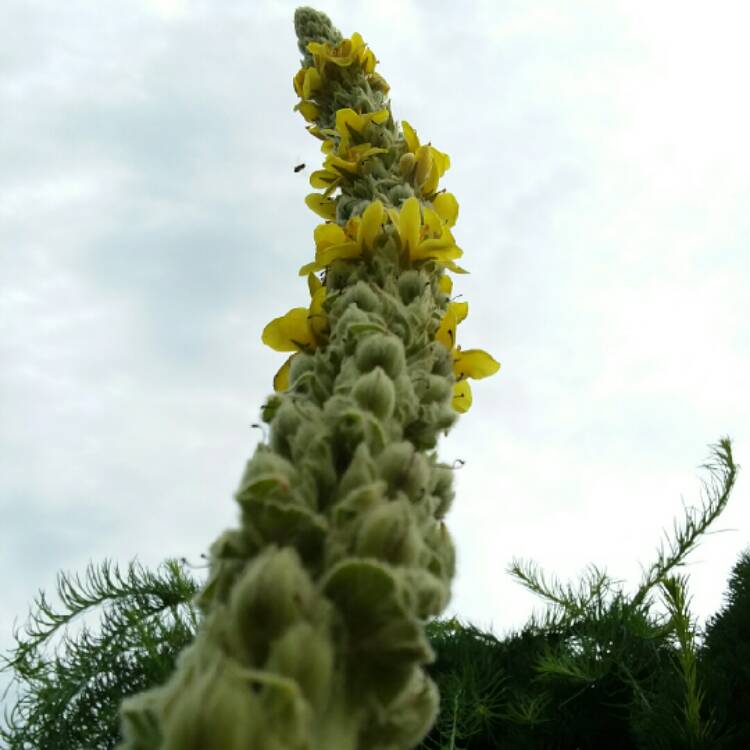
313, 629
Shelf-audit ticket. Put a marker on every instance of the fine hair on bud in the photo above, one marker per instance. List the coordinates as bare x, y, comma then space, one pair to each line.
375, 392
380, 350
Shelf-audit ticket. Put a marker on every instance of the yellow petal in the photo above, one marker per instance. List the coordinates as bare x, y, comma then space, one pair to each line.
308, 110
338, 252
323, 178
459, 310
309, 268
438, 249
451, 266
432, 225
328, 234
311, 83
367, 60
379, 117
317, 48
281, 378
313, 284
462, 396
369, 227
446, 206
409, 224
474, 363
298, 81
446, 332
347, 118
441, 160
410, 136
424, 164
430, 185
322, 205
445, 284
317, 318
290, 332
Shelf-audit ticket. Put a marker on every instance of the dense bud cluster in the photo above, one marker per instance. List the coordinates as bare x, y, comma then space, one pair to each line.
313, 615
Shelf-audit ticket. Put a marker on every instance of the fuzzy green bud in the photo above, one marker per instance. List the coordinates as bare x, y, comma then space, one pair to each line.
379, 350
374, 391
389, 534
307, 656
274, 593
406, 165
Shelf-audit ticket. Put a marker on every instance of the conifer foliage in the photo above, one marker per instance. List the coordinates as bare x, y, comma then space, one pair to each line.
111, 635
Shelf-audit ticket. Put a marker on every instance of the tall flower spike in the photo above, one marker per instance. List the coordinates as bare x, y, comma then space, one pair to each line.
312, 636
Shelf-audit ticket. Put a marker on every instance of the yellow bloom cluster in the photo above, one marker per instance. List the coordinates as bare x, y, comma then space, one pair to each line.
427, 164
420, 226
468, 363
423, 233
347, 157
327, 59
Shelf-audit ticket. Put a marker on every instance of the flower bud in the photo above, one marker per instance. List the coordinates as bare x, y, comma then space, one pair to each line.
374, 391
424, 166
394, 463
412, 715
439, 542
267, 475
218, 710
273, 593
389, 533
434, 388
285, 424
442, 488
300, 364
406, 165
411, 285
361, 471
228, 554
306, 655
432, 593
363, 296
442, 363
383, 351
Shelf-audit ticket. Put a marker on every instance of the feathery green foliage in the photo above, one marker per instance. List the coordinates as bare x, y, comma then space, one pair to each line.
71, 684
601, 667
724, 661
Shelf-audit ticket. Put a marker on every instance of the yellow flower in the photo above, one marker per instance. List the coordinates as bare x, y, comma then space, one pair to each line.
355, 240
325, 178
347, 158
469, 363
424, 236
322, 205
446, 207
300, 330
309, 110
431, 164
344, 54
347, 120
445, 284
307, 82
343, 162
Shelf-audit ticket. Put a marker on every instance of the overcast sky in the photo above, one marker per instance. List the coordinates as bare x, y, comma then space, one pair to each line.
151, 224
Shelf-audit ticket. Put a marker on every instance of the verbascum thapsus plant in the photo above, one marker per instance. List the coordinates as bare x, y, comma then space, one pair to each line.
312, 635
